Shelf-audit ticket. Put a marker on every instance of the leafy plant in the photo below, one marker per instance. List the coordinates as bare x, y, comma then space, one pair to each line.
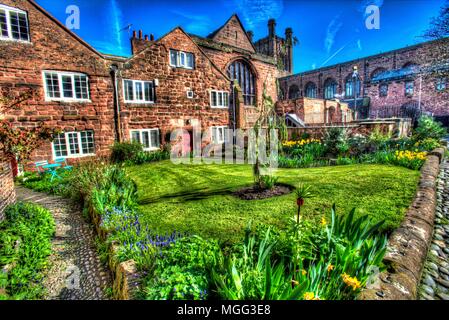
123, 151
269, 181
25, 244
429, 128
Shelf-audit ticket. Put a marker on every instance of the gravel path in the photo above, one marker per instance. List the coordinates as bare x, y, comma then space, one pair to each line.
435, 279
76, 272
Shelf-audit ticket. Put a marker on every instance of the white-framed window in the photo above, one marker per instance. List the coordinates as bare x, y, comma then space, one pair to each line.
13, 24
149, 138
137, 91
74, 144
409, 88
218, 134
66, 86
181, 59
219, 99
441, 84
190, 94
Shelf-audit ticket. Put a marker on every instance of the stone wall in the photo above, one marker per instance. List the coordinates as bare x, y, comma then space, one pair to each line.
7, 192
408, 245
396, 127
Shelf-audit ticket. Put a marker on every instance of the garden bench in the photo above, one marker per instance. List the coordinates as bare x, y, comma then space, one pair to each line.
39, 166
63, 163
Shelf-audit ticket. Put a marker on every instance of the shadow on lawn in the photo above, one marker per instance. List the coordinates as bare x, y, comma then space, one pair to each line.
190, 195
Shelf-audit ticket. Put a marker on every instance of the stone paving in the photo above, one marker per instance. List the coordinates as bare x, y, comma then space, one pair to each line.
435, 278
76, 272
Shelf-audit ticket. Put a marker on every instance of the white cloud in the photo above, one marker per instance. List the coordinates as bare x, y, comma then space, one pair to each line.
199, 24
255, 12
332, 29
313, 66
359, 44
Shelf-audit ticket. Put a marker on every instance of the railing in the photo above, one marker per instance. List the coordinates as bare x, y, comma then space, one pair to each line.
407, 111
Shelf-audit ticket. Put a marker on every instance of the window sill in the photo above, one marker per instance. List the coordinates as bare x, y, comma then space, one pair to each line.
8, 40
140, 103
68, 100
219, 107
151, 149
182, 68
76, 156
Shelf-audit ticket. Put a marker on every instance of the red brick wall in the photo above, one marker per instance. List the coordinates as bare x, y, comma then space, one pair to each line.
172, 107
54, 48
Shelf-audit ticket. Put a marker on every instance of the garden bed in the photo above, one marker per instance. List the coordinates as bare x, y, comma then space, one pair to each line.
255, 193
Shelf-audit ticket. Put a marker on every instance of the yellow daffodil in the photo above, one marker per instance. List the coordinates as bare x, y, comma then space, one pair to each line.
304, 272
323, 221
351, 281
310, 296
330, 268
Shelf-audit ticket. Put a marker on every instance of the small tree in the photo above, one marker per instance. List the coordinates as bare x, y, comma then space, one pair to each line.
269, 120
19, 143
439, 26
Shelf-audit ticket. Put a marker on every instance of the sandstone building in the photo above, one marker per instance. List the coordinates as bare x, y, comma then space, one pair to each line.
178, 81
403, 82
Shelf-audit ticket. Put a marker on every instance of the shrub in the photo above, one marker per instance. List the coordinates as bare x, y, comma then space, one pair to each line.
428, 144
428, 128
44, 183
335, 140
25, 244
123, 151
181, 271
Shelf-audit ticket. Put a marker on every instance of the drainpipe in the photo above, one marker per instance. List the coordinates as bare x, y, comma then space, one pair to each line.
420, 93
114, 71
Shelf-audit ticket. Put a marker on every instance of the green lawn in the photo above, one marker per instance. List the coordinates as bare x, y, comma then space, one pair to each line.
198, 199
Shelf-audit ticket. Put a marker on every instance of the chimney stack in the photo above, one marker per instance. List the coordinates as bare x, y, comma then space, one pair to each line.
151, 37
289, 34
146, 37
271, 28
134, 34
250, 35
140, 34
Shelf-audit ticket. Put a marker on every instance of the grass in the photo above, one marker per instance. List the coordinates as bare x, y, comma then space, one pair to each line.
198, 198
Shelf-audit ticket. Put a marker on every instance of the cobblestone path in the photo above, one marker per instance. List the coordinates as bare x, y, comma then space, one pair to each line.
435, 279
74, 254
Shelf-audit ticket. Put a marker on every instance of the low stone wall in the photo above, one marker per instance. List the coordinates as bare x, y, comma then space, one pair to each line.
396, 127
7, 191
125, 277
408, 245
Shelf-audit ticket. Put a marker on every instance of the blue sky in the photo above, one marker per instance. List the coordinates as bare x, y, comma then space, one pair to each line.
328, 31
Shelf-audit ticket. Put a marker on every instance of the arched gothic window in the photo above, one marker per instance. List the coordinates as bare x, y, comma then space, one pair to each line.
310, 90
241, 71
349, 87
330, 89
293, 92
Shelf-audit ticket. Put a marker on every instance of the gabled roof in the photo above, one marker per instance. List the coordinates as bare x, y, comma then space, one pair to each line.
236, 17
190, 38
61, 25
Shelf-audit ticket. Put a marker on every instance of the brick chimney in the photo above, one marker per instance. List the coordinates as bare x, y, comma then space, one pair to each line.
139, 41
